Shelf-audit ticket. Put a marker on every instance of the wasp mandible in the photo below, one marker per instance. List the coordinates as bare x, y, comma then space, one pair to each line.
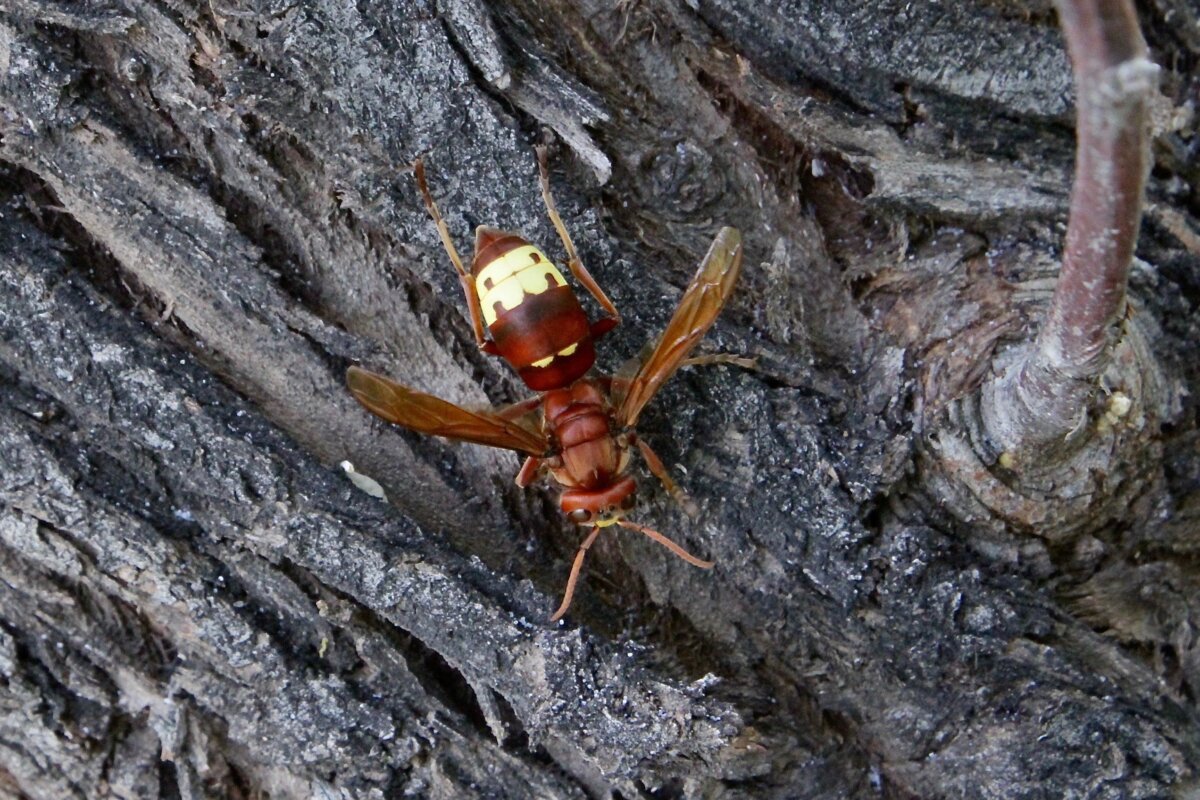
579, 427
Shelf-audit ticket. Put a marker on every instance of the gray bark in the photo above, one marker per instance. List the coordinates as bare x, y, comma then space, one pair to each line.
206, 218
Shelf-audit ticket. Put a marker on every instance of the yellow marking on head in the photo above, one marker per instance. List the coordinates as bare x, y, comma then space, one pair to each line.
604, 523
523, 270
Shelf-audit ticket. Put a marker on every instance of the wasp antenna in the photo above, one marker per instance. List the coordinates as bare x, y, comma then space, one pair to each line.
570, 593
667, 543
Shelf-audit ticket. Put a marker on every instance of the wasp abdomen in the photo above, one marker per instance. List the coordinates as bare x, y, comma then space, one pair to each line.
534, 318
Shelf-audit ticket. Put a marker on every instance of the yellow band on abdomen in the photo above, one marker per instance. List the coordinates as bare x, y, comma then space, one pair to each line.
566, 351
521, 271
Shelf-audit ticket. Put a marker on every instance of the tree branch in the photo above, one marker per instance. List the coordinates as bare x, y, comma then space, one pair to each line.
1035, 406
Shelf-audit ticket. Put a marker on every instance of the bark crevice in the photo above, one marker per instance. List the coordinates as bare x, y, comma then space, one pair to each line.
204, 219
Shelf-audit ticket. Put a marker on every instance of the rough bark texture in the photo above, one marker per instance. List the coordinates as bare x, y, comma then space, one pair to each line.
206, 218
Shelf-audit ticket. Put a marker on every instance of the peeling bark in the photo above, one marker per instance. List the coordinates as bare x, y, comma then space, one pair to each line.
205, 219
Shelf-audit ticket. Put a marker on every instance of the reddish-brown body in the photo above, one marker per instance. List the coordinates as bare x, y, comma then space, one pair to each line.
532, 331
540, 327
592, 458
579, 422
536, 324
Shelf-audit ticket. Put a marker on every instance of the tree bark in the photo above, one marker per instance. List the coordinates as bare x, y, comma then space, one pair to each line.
206, 218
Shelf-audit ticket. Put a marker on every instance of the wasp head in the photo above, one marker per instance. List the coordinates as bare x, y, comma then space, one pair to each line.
600, 507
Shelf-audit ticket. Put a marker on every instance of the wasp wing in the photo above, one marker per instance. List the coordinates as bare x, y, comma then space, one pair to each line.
425, 413
622, 379
701, 303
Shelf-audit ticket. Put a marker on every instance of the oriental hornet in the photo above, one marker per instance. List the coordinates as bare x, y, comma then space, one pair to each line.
579, 428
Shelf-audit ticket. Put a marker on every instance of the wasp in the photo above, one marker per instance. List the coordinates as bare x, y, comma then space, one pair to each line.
579, 427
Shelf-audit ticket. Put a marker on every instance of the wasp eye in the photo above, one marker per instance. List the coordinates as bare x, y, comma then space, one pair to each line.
580, 515
628, 502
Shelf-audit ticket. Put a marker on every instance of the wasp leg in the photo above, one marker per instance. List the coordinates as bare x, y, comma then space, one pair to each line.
659, 470
529, 471
720, 358
576, 265
464, 278
603, 326
570, 593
